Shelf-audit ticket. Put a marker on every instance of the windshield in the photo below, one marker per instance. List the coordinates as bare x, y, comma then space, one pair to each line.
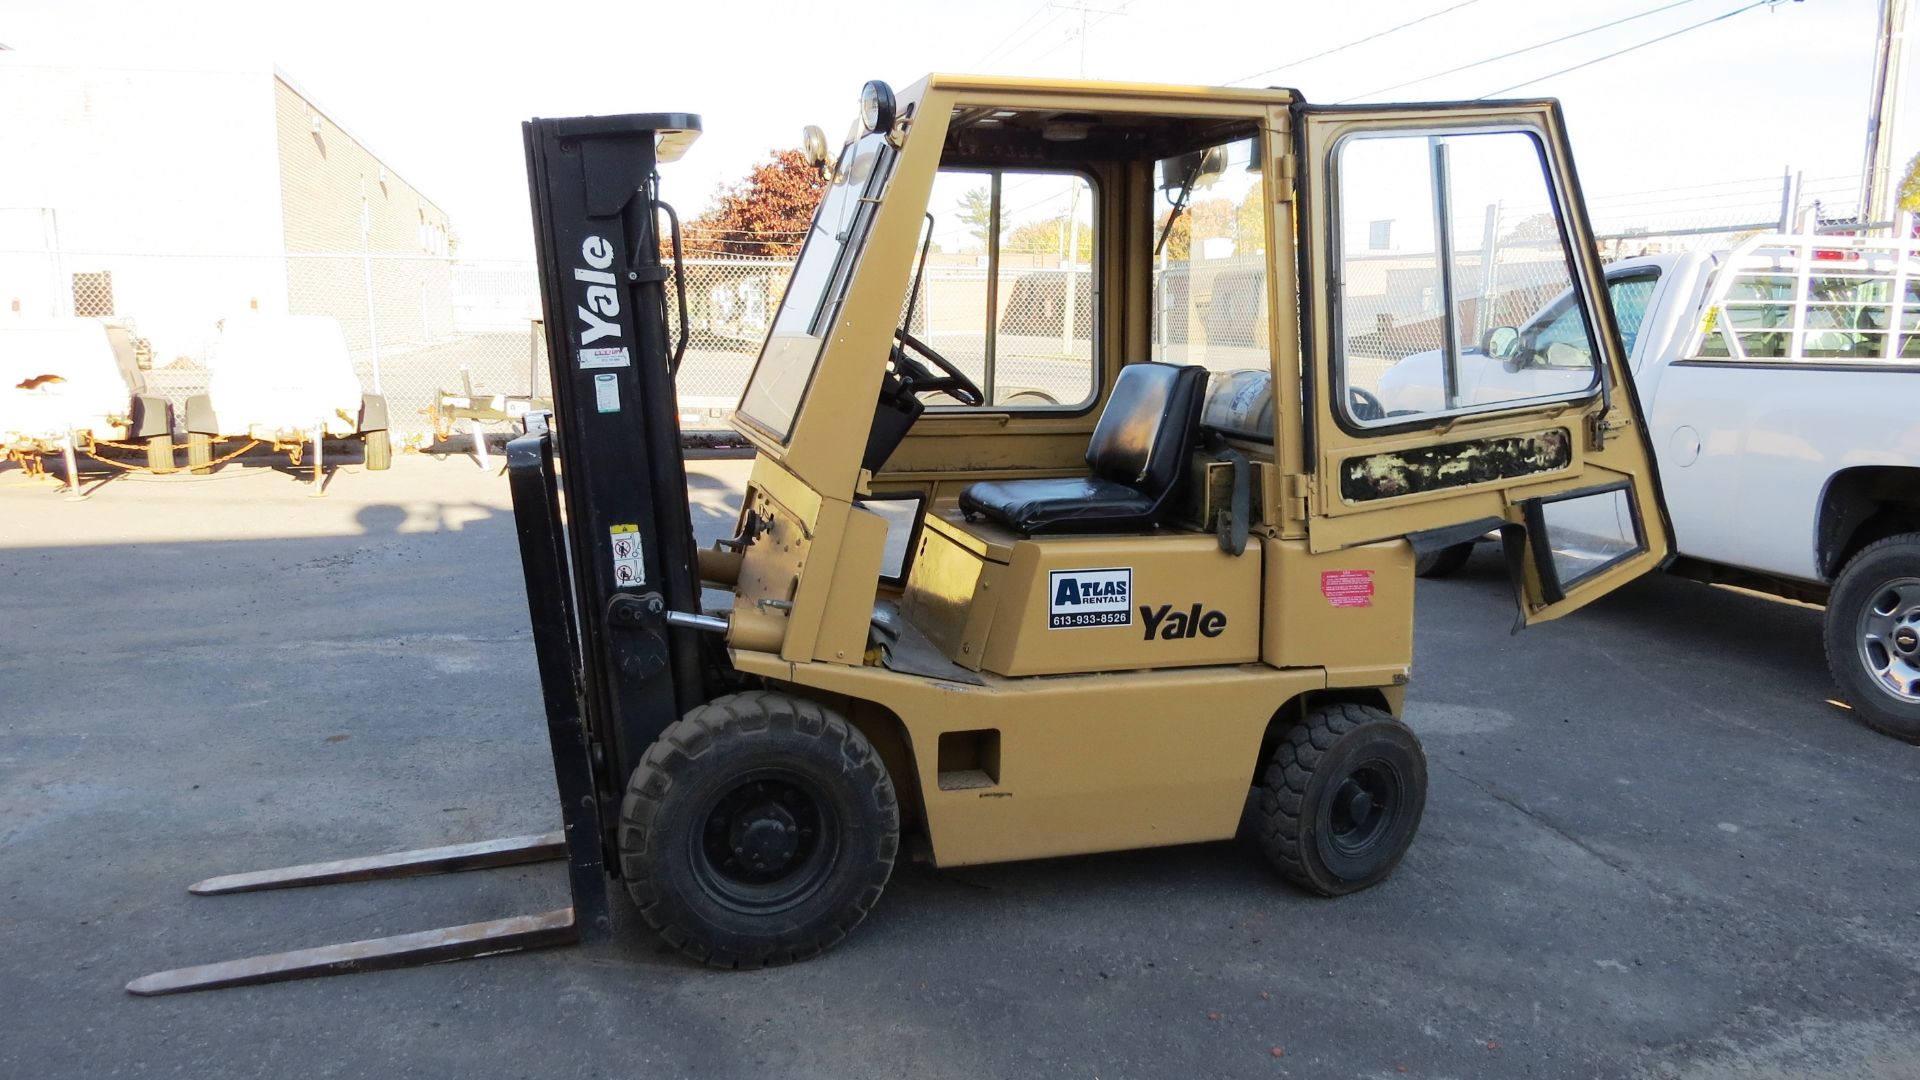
818, 284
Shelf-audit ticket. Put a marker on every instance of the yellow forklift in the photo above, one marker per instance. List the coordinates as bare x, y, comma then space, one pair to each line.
1012, 584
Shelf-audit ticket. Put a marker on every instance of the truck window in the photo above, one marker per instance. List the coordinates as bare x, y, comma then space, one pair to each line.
1009, 293
1566, 326
1630, 296
1446, 242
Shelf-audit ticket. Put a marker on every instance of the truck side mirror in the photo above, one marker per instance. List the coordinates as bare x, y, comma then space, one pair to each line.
813, 147
1499, 342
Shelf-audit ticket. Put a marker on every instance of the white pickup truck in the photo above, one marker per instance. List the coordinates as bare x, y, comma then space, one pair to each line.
1781, 383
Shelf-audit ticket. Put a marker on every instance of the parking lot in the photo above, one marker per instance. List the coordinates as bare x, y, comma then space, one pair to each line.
1653, 847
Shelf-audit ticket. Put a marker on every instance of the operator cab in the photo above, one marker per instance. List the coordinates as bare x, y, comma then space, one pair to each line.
1046, 342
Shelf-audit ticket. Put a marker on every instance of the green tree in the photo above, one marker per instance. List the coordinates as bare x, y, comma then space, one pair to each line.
976, 212
1910, 187
1250, 224
1047, 238
1209, 220
1533, 227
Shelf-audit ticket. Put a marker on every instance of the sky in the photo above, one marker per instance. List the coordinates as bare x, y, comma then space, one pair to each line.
1698, 126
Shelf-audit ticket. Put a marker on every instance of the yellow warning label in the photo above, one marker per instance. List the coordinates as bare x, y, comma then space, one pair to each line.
628, 568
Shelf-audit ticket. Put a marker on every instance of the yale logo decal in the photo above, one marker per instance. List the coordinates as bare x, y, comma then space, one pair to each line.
600, 312
1170, 625
1089, 598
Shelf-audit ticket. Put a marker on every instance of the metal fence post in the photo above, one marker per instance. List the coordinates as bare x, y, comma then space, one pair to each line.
366, 274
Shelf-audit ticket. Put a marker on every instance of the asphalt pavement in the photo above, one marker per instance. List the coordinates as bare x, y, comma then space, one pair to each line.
1653, 846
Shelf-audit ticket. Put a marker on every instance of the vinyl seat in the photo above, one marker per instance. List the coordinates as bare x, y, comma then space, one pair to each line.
1137, 460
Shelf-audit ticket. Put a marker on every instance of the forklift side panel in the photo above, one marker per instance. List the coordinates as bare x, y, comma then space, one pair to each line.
1111, 603
940, 592
1085, 763
856, 576
1348, 611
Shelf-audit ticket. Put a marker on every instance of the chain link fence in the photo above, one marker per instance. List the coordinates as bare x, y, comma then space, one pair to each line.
424, 329
420, 330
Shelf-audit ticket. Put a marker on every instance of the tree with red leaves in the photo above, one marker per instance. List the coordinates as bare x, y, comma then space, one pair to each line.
765, 214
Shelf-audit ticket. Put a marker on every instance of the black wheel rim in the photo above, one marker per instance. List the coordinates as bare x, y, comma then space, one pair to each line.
766, 842
1361, 811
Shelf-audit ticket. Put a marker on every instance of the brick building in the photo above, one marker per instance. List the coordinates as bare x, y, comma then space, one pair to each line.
176, 198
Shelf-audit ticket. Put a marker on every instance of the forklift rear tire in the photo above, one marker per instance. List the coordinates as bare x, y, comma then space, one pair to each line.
1443, 563
758, 830
1342, 798
199, 452
379, 446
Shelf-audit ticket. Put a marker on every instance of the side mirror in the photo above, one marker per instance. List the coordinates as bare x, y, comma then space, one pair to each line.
1204, 166
1499, 342
813, 147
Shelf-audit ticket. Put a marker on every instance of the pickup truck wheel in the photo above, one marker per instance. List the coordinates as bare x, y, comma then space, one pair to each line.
758, 830
160, 454
199, 452
1443, 563
379, 446
1342, 798
1873, 635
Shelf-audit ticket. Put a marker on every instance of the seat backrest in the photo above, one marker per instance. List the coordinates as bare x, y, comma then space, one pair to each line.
1148, 427
1240, 403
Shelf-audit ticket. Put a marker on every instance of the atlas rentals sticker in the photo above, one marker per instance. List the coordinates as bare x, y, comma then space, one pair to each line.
1089, 598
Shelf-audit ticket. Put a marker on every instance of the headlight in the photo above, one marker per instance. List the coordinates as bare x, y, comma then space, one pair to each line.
876, 106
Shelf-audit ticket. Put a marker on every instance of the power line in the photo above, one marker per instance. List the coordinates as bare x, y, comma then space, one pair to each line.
1356, 41
1631, 48
1517, 52
1008, 45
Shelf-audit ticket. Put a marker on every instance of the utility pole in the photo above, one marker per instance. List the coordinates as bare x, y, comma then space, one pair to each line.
1071, 263
1877, 181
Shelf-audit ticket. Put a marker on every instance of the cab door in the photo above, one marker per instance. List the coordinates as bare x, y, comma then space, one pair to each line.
1431, 236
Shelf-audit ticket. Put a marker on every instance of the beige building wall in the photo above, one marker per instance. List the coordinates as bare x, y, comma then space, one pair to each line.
353, 226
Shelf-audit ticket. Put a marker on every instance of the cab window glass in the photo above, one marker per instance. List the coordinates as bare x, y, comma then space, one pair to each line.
1210, 262
1630, 296
818, 283
1008, 294
1450, 260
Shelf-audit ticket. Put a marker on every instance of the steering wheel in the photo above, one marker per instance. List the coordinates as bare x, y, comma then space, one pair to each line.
1364, 406
954, 383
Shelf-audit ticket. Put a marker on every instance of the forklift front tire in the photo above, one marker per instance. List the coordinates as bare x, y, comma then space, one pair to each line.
758, 830
1342, 798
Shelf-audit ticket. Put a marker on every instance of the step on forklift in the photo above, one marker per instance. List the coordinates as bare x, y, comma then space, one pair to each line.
1074, 521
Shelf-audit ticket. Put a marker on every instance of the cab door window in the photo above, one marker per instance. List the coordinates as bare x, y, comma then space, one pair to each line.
1009, 294
1446, 243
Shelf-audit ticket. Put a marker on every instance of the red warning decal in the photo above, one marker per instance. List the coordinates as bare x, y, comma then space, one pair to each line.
1347, 588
